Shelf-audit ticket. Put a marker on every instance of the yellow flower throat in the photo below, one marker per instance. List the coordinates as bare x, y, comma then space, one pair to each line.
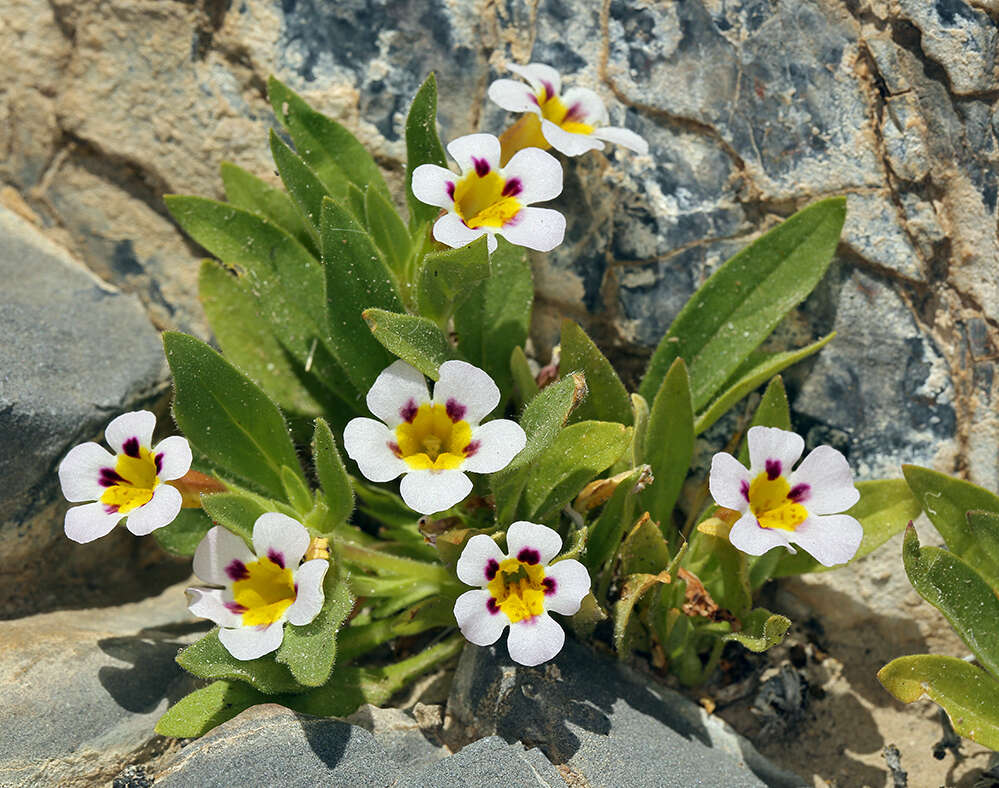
131, 482
555, 110
432, 440
518, 589
265, 591
774, 507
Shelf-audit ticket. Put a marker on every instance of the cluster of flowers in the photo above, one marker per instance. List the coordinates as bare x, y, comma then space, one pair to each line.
433, 441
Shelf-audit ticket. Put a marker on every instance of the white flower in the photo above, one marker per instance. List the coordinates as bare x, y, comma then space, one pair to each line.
489, 200
518, 590
780, 506
572, 123
432, 440
259, 591
128, 483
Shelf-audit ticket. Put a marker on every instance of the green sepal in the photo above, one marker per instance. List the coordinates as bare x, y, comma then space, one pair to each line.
416, 340
226, 416
968, 694
332, 474
235, 512
608, 400
207, 708
446, 278
761, 630
184, 534
423, 146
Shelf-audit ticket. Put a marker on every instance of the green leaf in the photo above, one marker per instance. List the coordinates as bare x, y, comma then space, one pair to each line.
235, 511
640, 418
615, 518
496, 316
301, 182
577, 455
357, 279
206, 708
633, 589
669, 443
423, 146
332, 474
296, 490
184, 534
969, 695
416, 340
252, 194
226, 416
724, 571
644, 550
309, 651
444, 278
761, 630
947, 501
608, 400
388, 231
957, 591
773, 411
751, 376
885, 506
209, 659
328, 148
745, 299
985, 530
524, 383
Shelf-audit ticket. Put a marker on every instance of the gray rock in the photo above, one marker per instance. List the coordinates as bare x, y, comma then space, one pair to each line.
490, 763
603, 723
403, 737
83, 689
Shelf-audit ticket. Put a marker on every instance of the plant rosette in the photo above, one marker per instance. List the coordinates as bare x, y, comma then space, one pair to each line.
518, 589
432, 441
128, 483
490, 200
260, 589
574, 122
780, 507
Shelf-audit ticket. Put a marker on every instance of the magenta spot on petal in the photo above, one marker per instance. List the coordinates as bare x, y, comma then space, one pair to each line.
549, 90
408, 411
534, 99
744, 489
236, 570
472, 448
276, 557
512, 187
235, 607
481, 167
450, 189
574, 113
492, 567
455, 410
773, 469
394, 448
110, 508
109, 477
529, 556
799, 493
159, 463
491, 606
550, 585
514, 220
131, 447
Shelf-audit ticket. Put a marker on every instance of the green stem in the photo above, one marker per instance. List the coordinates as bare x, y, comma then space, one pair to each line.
394, 565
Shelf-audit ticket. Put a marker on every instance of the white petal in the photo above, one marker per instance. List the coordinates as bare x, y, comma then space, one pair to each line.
88, 522
80, 471
219, 556
137, 424
468, 389
451, 231
536, 228
829, 479
162, 509
539, 75
398, 387
482, 147
210, 603
499, 442
748, 536
585, 106
476, 622
535, 640
310, 598
572, 583
250, 642
367, 442
626, 138
772, 444
830, 540
513, 96
176, 460
523, 535
474, 562
568, 143
428, 492
729, 482
430, 185
281, 538
539, 173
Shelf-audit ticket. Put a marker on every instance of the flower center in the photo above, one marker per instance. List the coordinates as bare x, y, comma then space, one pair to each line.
774, 503
518, 589
432, 440
265, 591
569, 119
131, 482
483, 198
